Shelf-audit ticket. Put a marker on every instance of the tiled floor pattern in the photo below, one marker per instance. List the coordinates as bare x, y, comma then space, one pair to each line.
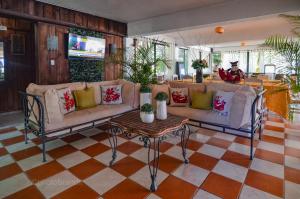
77, 166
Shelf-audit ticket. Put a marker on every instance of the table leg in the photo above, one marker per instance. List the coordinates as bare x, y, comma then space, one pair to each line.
113, 141
185, 134
153, 165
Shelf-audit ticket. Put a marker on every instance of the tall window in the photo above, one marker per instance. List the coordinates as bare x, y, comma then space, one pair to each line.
160, 51
182, 56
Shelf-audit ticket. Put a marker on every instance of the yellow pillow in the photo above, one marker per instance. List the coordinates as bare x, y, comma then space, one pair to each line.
85, 98
202, 100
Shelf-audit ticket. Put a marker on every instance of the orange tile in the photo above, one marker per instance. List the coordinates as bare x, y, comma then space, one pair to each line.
275, 119
100, 136
193, 145
7, 130
72, 138
174, 188
20, 155
13, 140
30, 192
3, 151
292, 175
219, 142
95, 149
274, 128
292, 152
127, 189
61, 151
265, 182
245, 141
221, 186
272, 139
87, 168
292, 137
9, 170
269, 156
78, 191
127, 166
44, 171
206, 132
129, 147
36, 140
203, 161
168, 163
164, 146
237, 158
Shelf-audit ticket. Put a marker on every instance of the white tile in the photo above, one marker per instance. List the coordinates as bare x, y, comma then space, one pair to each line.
252, 193
292, 143
142, 177
224, 136
213, 151
271, 147
12, 134
292, 190
199, 137
292, 131
201, 194
277, 124
240, 148
176, 152
153, 196
33, 161
106, 157
83, 143
173, 139
73, 159
191, 173
56, 184
6, 160
142, 155
119, 141
91, 132
19, 146
230, 170
273, 133
14, 184
53, 144
292, 162
104, 180
267, 167
31, 136
137, 140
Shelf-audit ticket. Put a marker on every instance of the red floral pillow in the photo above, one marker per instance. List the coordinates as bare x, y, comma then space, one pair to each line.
66, 100
222, 102
111, 94
179, 97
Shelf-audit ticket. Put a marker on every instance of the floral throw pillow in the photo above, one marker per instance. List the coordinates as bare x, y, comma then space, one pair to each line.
111, 94
66, 100
222, 102
179, 97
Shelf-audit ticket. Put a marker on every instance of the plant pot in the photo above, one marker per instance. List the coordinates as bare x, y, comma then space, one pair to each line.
199, 75
145, 98
147, 117
161, 110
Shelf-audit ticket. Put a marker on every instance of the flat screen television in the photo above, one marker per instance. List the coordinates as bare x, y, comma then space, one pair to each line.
85, 47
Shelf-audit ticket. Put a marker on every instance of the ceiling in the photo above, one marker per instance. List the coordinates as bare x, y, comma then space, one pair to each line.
132, 10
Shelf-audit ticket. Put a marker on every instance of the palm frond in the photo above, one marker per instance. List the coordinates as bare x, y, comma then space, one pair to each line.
295, 21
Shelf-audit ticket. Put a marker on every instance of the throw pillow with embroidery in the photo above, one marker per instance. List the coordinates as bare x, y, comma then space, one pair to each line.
222, 102
66, 100
111, 94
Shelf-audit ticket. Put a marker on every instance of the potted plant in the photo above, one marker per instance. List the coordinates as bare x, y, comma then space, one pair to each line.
145, 95
146, 113
198, 65
161, 108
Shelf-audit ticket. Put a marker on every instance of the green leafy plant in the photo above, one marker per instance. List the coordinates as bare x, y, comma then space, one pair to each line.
147, 108
199, 64
161, 96
145, 89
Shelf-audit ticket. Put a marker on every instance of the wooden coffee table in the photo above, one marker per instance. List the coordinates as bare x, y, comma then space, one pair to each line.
151, 134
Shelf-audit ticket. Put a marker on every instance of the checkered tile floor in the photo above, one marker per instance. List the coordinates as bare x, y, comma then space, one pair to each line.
77, 166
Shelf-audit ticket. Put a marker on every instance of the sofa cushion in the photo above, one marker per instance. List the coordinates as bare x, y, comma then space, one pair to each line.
111, 94
193, 87
128, 92
199, 115
202, 100
52, 106
87, 115
84, 98
97, 88
179, 97
157, 88
66, 100
222, 102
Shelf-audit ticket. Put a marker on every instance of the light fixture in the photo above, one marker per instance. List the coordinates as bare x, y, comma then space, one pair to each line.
219, 30
3, 28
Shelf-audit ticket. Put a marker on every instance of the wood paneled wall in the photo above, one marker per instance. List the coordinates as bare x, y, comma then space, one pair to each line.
41, 21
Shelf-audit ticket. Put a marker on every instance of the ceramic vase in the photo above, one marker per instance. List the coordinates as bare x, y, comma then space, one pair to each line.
161, 110
147, 117
145, 98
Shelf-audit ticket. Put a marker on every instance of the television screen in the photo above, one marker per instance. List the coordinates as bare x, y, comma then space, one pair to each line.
86, 47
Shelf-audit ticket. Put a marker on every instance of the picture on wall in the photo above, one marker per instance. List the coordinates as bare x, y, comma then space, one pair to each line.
18, 44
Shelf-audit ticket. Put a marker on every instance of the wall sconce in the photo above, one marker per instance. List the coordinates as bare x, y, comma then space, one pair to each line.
52, 43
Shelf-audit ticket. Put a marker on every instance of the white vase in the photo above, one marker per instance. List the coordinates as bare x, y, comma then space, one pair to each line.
145, 98
161, 110
147, 117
